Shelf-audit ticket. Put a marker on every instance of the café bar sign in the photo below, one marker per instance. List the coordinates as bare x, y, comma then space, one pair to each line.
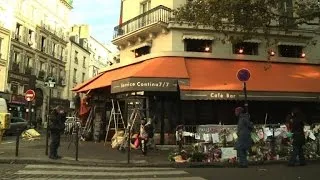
144, 84
256, 96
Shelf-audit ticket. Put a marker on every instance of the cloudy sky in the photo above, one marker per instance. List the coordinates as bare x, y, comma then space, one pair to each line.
101, 15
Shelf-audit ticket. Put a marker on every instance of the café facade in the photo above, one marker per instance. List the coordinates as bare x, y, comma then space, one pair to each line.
195, 91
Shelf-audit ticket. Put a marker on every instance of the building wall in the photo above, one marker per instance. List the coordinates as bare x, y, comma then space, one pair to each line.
77, 66
171, 43
32, 59
4, 56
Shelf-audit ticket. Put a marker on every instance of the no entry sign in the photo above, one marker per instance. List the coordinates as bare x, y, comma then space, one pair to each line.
30, 95
243, 75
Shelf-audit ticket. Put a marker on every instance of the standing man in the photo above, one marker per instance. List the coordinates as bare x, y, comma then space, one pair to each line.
297, 128
244, 141
57, 120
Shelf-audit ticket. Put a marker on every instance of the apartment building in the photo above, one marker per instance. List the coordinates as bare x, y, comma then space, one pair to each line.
188, 76
39, 37
79, 58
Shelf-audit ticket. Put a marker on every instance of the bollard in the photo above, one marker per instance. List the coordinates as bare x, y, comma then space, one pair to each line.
17, 142
47, 136
129, 144
77, 141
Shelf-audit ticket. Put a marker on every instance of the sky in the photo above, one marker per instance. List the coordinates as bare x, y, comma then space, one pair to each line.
101, 15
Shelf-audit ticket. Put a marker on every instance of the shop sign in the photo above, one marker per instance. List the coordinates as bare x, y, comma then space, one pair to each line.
209, 95
21, 78
17, 99
256, 96
54, 102
144, 84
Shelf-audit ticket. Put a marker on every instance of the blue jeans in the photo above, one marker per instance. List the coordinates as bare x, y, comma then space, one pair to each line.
297, 152
242, 155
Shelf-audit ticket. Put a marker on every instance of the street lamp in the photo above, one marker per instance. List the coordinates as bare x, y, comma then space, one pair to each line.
50, 83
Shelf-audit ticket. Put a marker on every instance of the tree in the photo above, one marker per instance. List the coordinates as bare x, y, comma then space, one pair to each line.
247, 17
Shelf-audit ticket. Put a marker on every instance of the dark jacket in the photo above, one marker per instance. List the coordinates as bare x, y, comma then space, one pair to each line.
245, 127
297, 125
57, 121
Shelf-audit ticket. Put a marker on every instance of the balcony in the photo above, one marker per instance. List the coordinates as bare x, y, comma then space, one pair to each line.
27, 70
149, 21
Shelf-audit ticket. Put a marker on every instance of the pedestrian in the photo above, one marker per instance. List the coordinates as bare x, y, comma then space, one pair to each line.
57, 125
297, 128
144, 135
244, 141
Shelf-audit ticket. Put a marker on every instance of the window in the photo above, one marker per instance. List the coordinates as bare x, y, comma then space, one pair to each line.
74, 75
193, 45
84, 62
142, 51
18, 32
0, 48
246, 48
61, 54
286, 10
31, 38
290, 51
43, 43
28, 65
83, 76
16, 62
76, 57
14, 88
145, 6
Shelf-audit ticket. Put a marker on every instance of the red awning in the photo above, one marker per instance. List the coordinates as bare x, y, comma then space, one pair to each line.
162, 67
279, 77
78, 86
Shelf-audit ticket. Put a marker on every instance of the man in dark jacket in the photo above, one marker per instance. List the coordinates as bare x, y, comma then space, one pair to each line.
57, 120
244, 141
297, 125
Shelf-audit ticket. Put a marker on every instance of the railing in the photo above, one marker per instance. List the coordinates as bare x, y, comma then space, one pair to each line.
157, 14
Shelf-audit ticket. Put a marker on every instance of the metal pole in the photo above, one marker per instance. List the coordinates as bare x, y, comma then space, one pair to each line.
129, 144
245, 97
29, 113
47, 130
77, 141
17, 142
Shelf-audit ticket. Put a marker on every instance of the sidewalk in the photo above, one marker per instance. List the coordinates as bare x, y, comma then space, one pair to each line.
90, 153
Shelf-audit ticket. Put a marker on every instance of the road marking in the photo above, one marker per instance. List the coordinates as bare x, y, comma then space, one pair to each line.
82, 173
83, 168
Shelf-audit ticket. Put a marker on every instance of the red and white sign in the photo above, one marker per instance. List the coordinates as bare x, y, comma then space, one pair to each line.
30, 95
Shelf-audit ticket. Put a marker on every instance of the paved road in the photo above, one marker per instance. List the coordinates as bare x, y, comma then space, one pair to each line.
270, 172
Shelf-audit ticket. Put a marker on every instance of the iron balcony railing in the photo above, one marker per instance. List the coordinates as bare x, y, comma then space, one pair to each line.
157, 14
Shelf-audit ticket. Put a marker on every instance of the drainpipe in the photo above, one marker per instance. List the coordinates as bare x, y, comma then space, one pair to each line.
70, 52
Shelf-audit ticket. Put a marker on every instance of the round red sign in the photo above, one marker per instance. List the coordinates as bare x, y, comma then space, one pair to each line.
30, 95
243, 75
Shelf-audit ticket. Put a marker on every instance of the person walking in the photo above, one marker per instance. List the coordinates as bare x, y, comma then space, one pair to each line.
297, 128
244, 141
56, 127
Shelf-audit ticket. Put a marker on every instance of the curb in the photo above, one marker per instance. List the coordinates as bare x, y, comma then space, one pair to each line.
135, 164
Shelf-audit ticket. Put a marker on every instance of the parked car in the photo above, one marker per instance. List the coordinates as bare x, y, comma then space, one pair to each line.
17, 124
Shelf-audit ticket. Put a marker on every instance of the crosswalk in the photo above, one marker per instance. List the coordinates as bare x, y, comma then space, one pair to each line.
65, 172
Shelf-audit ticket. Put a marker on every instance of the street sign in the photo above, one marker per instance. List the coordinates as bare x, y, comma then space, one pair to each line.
243, 75
29, 95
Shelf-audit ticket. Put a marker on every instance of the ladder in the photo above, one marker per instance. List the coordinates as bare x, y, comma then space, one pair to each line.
117, 119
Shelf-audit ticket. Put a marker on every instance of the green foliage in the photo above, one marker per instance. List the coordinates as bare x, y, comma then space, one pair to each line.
247, 17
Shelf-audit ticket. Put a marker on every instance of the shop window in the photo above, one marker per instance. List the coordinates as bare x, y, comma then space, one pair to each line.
246, 48
142, 51
290, 51
193, 45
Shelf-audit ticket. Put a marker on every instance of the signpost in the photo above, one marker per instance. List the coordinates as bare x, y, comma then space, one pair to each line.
243, 75
29, 97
